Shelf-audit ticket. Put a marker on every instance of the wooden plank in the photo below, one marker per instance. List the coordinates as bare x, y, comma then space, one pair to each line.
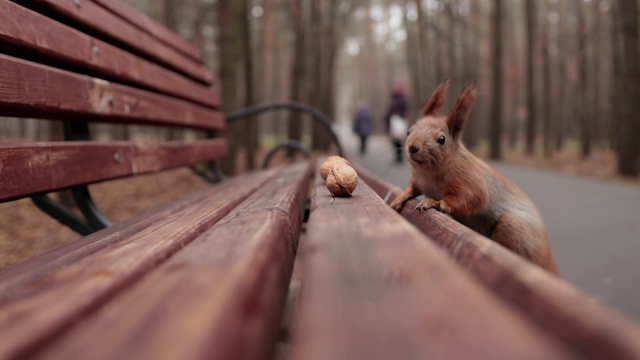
42, 265
28, 89
113, 29
37, 312
374, 287
219, 298
144, 22
591, 329
54, 40
31, 168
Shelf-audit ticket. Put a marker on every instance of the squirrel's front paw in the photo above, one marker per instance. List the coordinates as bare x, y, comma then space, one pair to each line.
427, 204
397, 204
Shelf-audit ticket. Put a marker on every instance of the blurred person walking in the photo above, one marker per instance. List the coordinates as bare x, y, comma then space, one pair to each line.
363, 125
397, 125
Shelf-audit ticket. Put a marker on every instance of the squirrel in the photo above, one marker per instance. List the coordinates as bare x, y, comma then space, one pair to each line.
460, 184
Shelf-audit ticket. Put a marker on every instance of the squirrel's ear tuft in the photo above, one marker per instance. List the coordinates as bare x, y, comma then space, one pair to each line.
461, 110
434, 106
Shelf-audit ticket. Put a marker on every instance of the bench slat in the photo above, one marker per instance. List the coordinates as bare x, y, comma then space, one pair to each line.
374, 287
39, 266
31, 168
144, 22
60, 42
28, 89
34, 314
594, 331
114, 29
221, 297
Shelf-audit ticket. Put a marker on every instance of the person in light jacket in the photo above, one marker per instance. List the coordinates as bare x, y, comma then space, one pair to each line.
397, 109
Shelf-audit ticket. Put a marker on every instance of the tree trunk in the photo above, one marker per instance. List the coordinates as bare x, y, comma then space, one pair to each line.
564, 78
420, 97
473, 133
596, 117
583, 66
629, 122
250, 124
496, 105
618, 75
546, 83
416, 49
316, 76
298, 68
229, 53
531, 21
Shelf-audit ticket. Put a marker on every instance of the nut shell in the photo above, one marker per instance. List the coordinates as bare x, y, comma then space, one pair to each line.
342, 180
331, 161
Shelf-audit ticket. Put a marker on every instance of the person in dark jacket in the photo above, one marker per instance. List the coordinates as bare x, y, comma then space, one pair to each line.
397, 110
363, 125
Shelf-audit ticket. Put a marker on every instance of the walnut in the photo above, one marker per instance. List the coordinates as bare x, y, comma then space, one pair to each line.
329, 163
342, 180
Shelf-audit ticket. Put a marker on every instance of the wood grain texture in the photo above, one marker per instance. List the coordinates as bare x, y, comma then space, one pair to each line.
221, 297
588, 327
114, 29
31, 168
375, 288
35, 313
35, 33
28, 89
147, 24
42, 265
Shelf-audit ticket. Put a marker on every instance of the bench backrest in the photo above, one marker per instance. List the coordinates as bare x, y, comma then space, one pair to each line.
83, 61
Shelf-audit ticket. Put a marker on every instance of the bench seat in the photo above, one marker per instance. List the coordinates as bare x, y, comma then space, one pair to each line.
213, 265
583, 324
374, 287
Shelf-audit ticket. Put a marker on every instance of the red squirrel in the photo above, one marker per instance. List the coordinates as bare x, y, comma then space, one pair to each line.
460, 184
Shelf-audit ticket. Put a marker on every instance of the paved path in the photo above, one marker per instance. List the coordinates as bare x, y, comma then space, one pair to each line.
594, 226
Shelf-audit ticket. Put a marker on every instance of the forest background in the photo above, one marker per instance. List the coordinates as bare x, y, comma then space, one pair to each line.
556, 76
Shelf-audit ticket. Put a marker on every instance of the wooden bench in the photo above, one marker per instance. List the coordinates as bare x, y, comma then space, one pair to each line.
208, 276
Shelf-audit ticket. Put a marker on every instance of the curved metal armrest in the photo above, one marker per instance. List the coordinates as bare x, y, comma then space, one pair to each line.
315, 114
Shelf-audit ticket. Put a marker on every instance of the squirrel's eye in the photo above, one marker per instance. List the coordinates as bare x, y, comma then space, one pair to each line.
441, 140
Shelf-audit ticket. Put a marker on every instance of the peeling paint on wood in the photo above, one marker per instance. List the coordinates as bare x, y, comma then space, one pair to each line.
90, 162
111, 27
142, 21
55, 40
28, 89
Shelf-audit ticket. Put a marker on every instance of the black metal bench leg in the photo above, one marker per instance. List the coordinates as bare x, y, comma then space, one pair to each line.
62, 214
95, 219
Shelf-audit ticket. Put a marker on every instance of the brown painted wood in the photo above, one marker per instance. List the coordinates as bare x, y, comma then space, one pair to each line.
54, 40
31, 168
221, 297
590, 328
28, 89
144, 22
44, 264
34, 269
35, 313
114, 29
374, 287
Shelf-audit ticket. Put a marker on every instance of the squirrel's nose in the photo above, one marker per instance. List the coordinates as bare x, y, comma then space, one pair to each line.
413, 149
